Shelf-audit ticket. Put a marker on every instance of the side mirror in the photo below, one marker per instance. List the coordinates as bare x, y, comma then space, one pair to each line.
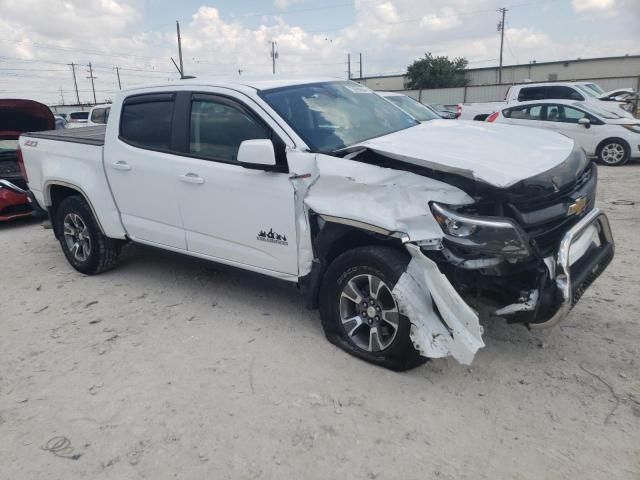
257, 154
585, 122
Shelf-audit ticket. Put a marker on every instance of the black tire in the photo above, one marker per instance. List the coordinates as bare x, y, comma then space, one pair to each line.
606, 146
387, 264
102, 253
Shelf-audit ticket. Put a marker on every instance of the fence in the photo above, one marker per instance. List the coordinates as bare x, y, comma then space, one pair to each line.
496, 93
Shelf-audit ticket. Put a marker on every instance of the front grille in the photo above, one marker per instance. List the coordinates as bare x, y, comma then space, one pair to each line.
546, 220
9, 169
561, 195
16, 209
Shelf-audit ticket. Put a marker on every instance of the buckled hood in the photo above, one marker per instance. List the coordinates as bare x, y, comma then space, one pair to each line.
499, 155
21, 116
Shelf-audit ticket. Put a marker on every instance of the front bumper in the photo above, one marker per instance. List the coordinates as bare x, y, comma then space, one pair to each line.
13, 202
572, 275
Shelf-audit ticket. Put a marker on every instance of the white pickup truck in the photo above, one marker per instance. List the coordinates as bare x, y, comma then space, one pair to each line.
588, 92
391, 227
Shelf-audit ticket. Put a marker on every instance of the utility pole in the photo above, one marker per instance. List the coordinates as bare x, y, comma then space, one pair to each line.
118, 74
501, 30
93, 87
348, 66
75, 82
62, 95
361, 65
274, 56
181, 67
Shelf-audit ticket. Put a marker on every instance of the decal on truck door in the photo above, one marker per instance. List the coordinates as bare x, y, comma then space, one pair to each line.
272, 237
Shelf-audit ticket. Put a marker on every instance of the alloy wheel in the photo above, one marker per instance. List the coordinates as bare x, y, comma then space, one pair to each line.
613, 153
369, 313
76, 237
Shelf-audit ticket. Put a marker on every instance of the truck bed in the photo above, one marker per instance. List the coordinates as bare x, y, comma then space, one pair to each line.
86, 135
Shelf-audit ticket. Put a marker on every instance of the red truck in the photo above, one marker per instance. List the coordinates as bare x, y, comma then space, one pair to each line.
16, 117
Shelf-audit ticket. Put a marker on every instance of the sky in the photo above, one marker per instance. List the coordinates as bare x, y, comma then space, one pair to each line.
230, 37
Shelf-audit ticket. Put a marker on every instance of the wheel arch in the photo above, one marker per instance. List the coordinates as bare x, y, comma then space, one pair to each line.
609, 139
331, 237
56, 191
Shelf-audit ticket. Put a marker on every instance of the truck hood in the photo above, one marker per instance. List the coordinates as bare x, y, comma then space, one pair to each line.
499, 155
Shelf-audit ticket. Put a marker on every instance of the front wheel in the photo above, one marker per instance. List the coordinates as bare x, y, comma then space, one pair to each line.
359, 311
87, 249
613, 152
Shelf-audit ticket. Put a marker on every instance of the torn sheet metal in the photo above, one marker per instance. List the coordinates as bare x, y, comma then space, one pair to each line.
394, 200
430, 145
454, 329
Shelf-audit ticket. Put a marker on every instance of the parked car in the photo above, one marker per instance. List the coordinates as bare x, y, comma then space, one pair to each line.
61, 122
388, 225
99, 114
17, 116
443, 111
610, 137
78, 119
575, 91
417, 110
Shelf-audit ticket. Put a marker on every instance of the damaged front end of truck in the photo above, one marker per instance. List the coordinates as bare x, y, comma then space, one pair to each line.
524, 252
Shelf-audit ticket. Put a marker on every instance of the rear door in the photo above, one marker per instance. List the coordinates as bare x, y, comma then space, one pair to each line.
232, 213
143, 167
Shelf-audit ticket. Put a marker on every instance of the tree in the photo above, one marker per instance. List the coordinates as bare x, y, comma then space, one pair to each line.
437, 72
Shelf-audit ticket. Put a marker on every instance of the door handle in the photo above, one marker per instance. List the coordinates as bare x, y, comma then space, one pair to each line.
192, 178
120, 165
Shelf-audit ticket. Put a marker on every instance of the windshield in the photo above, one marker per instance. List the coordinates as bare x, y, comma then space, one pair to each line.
334, 115
79, 115
413, 107
8, 146
598, 112
595, 87
587, 91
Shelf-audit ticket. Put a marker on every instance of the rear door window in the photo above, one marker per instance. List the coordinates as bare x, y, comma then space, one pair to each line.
527, 112
146, 121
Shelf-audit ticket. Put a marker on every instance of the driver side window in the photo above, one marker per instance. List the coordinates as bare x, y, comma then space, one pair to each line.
217, 129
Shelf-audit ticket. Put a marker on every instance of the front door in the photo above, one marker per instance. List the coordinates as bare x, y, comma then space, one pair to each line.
229, 212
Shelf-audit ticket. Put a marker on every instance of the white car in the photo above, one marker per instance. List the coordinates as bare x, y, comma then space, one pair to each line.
612, 138
417, 110
389, 226
99, 115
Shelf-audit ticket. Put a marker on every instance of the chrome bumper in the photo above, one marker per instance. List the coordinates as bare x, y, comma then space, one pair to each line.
571, 281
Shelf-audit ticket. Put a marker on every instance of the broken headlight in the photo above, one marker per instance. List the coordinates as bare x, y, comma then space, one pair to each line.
487, 235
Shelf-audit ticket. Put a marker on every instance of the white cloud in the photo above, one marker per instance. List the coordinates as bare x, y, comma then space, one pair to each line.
389, 33
581, 6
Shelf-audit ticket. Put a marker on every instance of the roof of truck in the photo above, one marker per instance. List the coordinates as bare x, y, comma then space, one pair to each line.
253, 83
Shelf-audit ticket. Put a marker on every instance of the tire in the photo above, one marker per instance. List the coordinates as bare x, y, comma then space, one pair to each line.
87, 249
358, 269
613, 152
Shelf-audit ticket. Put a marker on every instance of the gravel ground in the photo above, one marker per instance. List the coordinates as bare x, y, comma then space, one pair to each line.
170, 367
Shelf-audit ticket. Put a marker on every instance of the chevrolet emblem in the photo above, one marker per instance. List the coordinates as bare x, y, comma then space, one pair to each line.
577, 207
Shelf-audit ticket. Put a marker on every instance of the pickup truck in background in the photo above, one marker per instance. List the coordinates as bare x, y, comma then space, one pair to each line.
17, 116
393, 228
576, 91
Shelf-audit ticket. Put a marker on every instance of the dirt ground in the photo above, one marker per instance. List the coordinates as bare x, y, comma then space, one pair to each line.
171, 367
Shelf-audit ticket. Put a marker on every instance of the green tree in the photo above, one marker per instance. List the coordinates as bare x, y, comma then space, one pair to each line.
437, 72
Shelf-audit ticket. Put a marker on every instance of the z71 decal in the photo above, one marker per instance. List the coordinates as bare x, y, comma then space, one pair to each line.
272, 237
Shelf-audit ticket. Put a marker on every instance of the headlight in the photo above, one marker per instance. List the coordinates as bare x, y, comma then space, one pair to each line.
634, 127
491, 236
627, 107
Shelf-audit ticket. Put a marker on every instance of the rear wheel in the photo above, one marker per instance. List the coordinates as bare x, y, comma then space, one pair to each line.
87, 249
359, 311
613, 152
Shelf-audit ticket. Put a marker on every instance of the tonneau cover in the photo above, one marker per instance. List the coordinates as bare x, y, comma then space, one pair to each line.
87, 135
